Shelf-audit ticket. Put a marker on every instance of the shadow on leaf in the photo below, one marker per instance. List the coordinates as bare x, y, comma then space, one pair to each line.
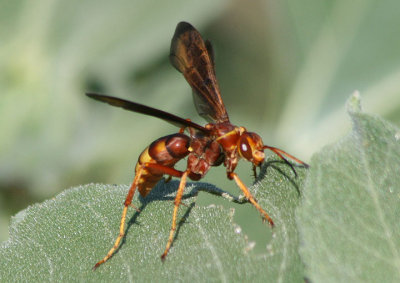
273, 164
165, 191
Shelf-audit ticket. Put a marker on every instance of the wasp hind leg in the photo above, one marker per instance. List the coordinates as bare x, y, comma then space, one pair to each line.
121, 234
128, 202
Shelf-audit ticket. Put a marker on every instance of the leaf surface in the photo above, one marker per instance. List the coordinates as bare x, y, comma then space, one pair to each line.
62, 238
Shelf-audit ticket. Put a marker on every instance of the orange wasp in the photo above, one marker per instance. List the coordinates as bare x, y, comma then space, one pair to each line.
218, 142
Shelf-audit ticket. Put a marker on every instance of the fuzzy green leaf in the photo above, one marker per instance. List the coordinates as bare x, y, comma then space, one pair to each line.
350, 218
61, 239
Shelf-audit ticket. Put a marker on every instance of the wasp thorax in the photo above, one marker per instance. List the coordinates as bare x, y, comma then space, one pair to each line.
250, 147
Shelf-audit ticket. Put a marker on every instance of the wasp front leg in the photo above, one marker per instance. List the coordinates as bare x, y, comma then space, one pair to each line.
250, 197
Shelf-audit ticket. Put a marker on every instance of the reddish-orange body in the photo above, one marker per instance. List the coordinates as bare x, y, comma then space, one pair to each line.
165, 151
226, 143
216, 143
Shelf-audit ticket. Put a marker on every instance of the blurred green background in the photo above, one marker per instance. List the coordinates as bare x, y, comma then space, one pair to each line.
285, 70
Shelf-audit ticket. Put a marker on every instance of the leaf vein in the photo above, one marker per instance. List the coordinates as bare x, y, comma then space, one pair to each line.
108, 229
48, 259
212, 250
356, 242
374, 193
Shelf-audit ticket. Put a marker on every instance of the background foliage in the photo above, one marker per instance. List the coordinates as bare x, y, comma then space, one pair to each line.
285, 70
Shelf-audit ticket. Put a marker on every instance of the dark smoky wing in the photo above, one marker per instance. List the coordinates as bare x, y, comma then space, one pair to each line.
191, 56
211, 53
146, 110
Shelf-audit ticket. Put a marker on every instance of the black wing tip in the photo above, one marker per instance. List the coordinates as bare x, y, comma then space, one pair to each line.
183, 27
93, 95
99, 96
104, 98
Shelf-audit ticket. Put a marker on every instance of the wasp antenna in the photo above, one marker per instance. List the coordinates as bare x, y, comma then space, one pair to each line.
281, 154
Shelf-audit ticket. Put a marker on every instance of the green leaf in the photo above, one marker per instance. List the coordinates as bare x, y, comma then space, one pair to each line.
349, 221
62, 238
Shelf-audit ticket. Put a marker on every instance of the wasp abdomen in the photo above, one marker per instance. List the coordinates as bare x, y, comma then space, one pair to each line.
165, 151
169, 149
